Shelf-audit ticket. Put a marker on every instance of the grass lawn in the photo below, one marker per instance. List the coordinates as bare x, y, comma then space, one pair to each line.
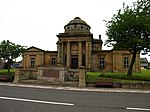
120, 77
5, 71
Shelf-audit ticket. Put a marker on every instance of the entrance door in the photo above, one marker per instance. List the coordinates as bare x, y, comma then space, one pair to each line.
74, 63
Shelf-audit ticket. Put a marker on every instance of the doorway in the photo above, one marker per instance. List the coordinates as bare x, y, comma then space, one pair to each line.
74, 63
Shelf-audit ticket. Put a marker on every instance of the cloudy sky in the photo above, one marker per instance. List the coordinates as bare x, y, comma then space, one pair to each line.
37, 22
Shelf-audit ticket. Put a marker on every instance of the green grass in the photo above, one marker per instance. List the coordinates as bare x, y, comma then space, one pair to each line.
127, 80
92, 76
5, 71
120, 77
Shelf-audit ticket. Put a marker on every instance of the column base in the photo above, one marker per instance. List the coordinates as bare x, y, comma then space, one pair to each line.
82, 85
59, 64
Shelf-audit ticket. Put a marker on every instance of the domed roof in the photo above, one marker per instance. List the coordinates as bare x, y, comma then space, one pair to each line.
77, 20
77, 26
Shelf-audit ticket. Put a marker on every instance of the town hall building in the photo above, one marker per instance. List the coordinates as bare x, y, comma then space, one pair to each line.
77, 47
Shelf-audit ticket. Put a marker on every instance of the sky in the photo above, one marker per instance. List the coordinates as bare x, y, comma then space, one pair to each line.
37, 22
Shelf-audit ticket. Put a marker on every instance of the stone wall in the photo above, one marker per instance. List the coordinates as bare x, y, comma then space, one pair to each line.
52, 74
25, 74
28, 74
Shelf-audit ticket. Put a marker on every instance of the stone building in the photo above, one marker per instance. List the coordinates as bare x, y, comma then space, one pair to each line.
76, 47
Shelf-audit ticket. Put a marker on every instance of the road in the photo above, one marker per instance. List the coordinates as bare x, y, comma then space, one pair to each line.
18, 99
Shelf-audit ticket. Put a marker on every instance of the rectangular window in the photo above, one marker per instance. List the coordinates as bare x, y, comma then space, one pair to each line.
102, 63
53, 61
65, 60
83, 60
126, 62
32, 61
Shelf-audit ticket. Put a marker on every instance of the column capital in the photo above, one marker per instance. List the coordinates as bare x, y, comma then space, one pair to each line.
57, 42
60, 42
68, 42
79, 42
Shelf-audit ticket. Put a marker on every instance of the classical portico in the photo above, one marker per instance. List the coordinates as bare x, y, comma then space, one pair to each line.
74, 45
74, 54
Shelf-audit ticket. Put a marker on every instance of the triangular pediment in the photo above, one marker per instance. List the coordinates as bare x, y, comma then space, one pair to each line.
34, 49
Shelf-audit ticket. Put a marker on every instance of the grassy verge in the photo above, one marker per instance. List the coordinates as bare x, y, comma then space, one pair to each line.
5, 71
120, 77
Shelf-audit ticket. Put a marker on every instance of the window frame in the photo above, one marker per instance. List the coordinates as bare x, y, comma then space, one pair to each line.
53, 61
32, 62
102, 62
126, 62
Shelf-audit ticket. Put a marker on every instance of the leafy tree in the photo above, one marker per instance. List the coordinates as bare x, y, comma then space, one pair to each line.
10, 51
129, 29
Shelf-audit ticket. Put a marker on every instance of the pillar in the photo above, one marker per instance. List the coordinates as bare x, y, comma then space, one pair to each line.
28, 64
68, 54
80, 55
24, 61
40, 73
42, 59
82, 73
62, 53
58, 55
87, 54
17, 75
90, 50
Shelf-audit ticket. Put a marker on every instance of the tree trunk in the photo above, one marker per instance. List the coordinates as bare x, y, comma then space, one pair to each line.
9, 67
9, 63
132, 63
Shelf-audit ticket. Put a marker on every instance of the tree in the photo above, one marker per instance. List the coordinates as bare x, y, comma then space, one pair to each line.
129, 29
10, 51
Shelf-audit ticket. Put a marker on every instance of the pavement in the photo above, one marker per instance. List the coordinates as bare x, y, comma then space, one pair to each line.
78, 89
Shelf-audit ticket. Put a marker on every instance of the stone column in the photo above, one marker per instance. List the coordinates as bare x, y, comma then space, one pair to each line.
42, 59
24, 61
87, 54
58, 55
62, 53
82, 73
28, 64
90, 49
68, 54
17, 75
40, 73
80, 55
